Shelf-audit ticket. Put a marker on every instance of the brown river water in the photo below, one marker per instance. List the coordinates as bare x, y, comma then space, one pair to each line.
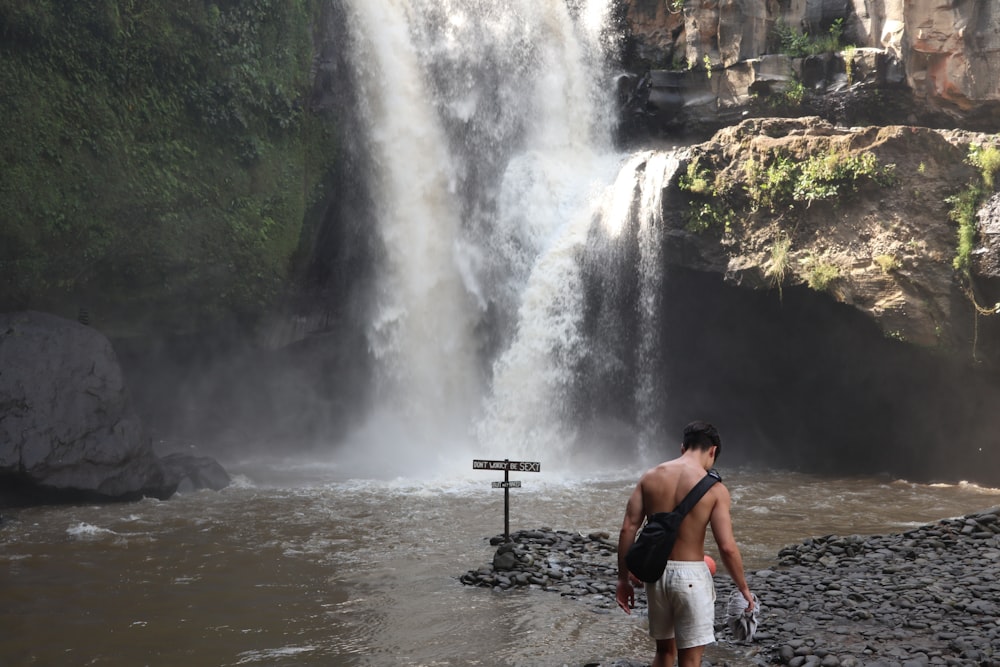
292, 566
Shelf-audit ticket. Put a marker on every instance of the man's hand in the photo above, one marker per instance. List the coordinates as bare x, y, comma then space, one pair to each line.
625, 595
748, 596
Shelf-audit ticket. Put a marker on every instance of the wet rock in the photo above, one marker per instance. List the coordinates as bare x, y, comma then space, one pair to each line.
505, 558
187, 472
929, 596
911, 595
68, 429
547, 558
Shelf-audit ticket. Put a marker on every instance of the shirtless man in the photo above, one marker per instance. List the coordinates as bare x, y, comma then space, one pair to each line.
682, 601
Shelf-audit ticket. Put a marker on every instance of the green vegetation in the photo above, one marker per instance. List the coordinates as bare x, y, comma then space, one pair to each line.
155, 155
770, 185
701, 218
777, 267
849, 52
776, 183
704, 215
965, 205
826, 176
695, 179
888, 263
820, 275
787, 101
783, 182
795, 43
987, 160
793, 94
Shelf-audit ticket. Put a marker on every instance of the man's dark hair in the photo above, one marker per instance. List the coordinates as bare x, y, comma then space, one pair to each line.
702, 435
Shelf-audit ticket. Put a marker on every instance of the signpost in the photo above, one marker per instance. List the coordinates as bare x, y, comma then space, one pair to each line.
507, 465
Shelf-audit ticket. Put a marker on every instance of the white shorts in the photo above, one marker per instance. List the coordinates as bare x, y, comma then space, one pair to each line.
682, 604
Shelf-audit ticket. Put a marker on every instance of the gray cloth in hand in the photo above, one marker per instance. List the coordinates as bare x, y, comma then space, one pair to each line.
743, 625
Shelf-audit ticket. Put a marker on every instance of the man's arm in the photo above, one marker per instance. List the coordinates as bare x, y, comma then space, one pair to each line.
625, 593
722, 529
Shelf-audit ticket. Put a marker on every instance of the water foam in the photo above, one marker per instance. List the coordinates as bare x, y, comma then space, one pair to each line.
85, 530
490, 127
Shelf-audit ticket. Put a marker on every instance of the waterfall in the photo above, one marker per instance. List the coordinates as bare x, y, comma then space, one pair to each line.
427, 303
659, 168
604, 265
489, 127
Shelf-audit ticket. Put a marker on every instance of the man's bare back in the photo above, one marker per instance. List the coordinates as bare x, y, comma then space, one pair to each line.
663, 489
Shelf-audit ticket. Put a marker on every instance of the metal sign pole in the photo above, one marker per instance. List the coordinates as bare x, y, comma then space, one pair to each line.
506, 501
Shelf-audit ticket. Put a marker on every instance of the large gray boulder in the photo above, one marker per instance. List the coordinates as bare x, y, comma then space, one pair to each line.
68, 430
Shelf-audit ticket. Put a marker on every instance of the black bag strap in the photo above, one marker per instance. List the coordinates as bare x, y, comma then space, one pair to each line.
695, 494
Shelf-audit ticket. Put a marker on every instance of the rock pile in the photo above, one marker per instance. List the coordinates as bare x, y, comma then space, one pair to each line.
574, 565
928, 596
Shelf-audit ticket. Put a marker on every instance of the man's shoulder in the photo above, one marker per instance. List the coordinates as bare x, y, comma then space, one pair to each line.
661, 469
718, 491
668, 475
718, 486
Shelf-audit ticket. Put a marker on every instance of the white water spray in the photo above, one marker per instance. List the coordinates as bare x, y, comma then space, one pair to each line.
427, 303
527, 414
659, 169
530, 413
490, 126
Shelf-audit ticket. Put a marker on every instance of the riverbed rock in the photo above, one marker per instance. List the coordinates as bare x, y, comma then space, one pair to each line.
187, 472
927, 596
68, 430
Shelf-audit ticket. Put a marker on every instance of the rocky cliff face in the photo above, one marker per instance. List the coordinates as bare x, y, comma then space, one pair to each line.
939, 55
951, 51
888, 70
863, 215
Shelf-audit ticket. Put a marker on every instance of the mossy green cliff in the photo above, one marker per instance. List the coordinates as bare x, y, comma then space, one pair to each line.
158, 161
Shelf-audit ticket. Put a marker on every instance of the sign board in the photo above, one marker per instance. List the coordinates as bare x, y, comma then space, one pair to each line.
517, 466
506, 466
